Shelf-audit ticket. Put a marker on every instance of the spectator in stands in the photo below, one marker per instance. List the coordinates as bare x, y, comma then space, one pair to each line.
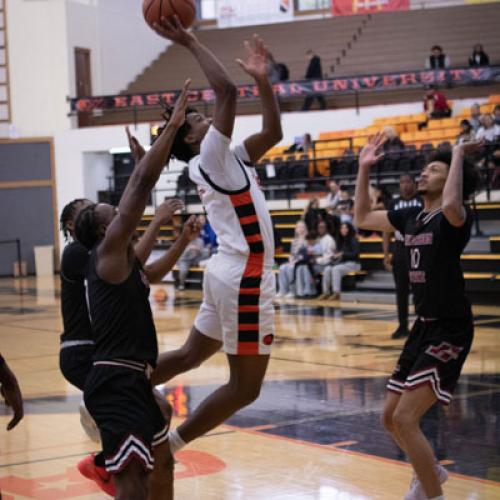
314, 72
435, 104
312, 214
393, 144
496, 114
479, 57
304, 286
380, 198
286, 277
489, 130
475, 116
333, 197
207, 234
437, 59
466, 132
346, 261
277, 72
345, 206
318, 260
191, 257
301, 143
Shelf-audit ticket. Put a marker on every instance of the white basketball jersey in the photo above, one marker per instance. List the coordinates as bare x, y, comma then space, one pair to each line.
235, 205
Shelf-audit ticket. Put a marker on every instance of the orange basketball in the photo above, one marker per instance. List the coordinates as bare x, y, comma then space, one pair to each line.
154, 10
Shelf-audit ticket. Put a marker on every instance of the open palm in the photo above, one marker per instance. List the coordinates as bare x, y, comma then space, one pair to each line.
257, 59
372, 152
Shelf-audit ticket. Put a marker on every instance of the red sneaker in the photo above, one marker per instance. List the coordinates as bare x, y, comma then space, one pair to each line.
99, 475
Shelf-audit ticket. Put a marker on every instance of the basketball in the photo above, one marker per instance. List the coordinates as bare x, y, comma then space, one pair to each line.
154, 10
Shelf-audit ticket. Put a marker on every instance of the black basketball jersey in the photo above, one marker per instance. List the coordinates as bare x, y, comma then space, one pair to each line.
121, 316
400, 204
74, 310
433, 250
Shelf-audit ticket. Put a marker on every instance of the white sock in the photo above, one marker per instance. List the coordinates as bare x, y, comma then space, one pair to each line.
175, 441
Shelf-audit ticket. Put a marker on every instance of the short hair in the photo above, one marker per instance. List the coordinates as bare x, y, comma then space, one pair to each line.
437, 47
67, 214
470, 175
180, 149
86, 226
409, 175
465, 122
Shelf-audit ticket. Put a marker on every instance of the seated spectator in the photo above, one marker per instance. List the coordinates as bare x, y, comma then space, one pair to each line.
437, 59
435, 104
277, 72
286, 278
393, 144
345, 207
479, 57
333, 197
191, 257
379, 197
302, 144
475, 116
346, 261
496, 114
306, 288
467, 133
312, 214
318, 259
489, 130
207, 234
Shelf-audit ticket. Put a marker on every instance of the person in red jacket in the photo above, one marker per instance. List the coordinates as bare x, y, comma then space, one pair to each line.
435, 104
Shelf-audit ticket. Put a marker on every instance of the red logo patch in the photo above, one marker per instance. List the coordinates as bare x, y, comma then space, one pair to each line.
268, 339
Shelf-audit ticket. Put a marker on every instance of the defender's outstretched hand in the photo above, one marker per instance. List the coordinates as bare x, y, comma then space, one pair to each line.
178, 116
256, 64
172, 29
135, 146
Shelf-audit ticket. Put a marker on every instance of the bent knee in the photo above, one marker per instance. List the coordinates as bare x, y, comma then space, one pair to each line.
404, 420
386, 419
246, 395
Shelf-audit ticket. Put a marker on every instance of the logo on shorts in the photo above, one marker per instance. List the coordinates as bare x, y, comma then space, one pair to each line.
444, 351
268, 339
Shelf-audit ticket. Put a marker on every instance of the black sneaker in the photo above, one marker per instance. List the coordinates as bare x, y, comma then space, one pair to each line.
400, 333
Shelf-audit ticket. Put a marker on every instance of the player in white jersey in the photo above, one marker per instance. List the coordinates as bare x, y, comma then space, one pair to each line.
237, 313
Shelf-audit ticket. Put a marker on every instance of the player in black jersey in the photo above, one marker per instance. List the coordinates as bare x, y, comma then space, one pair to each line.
118, 392
408, 197
432, 358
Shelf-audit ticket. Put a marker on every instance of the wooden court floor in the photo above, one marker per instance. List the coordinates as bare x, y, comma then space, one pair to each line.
313, 434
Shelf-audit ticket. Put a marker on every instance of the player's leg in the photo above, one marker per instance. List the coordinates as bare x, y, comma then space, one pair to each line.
131, 482
412, 406
161, 480
197, 349
243, 388
387, 417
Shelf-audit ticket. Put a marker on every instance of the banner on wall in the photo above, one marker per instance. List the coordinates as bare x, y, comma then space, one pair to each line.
331, 86
231, 13
352, 7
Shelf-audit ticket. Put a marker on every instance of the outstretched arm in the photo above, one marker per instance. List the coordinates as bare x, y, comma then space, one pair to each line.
256, 66
453, 199
144, 177
163, 216
159, 268
364, 216
217, 75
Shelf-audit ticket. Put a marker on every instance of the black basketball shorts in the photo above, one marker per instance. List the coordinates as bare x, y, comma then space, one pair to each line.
75, 363
433, 354
122, 403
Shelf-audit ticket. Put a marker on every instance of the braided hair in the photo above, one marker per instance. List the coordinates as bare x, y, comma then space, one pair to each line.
67, 215
180, 149
86, 227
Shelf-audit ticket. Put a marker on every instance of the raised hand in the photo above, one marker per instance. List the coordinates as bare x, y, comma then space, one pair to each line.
172, 29
372, 152
167, 209
470, 147
135, 146
178, 115
256, 64
191, 229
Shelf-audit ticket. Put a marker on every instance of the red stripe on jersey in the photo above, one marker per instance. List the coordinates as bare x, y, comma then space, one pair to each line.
249, 291
248, 220
248, 348
254, 238
248, 327
248, 308
241, 199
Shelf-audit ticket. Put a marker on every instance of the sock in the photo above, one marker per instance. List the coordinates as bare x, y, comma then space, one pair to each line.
175, 441
99, 460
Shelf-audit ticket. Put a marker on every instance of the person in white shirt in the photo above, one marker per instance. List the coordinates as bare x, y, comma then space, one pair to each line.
305, 275
333, 197
237, 313
489, 131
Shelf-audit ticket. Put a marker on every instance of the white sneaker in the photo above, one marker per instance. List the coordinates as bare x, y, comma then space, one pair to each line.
280, 295
88, 424
416, 491
290, 295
